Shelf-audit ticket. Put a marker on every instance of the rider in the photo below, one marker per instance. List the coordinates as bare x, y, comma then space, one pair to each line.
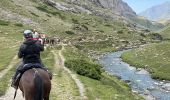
30, 52
35, 34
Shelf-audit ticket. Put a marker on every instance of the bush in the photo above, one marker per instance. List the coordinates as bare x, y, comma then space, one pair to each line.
120, 32
19, 24
69, 32
108, 25
85, 27
45, 9
4, 23
156, 36
34, 14
75, 21
84, 68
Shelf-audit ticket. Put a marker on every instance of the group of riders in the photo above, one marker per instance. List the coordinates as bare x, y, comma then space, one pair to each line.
29, 51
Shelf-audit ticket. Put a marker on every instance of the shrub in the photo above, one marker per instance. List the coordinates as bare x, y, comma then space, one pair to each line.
4, 23
69, 32
84, 26
45, 9
156, 36
34, 14
75, 21
120, 32
108, 25
85, 68
19, 24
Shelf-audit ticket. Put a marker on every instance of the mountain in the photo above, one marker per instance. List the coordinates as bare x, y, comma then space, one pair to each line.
109, 8
113, 9
116, 6
159, 13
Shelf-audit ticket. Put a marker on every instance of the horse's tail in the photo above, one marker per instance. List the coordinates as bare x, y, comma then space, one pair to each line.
39, 87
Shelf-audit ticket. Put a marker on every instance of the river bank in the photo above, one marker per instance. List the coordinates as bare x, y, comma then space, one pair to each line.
154, 57
140, 81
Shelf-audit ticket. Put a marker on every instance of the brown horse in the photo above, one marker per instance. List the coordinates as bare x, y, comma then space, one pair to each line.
35, 84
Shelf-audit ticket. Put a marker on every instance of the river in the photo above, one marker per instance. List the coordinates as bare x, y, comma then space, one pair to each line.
140, 81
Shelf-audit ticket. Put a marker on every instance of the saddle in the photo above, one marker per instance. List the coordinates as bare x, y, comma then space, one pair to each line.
30, 66
25, 68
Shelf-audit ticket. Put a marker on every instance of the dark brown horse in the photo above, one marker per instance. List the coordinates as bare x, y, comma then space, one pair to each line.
35, 84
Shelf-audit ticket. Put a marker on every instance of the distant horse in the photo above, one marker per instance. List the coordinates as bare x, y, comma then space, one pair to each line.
35, 84
54, 40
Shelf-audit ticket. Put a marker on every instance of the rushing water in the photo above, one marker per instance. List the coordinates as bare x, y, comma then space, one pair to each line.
139, 81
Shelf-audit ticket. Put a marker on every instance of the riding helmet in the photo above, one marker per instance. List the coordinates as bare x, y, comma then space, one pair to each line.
28, 34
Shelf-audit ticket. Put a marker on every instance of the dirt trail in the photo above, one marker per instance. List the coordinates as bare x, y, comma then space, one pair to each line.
11, 65
10, 92
74, 77
10, 95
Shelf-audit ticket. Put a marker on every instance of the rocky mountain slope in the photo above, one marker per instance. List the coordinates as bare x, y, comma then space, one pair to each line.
160, 13
114, 9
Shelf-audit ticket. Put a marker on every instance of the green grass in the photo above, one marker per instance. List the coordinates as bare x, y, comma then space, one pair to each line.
165, 33
155, 57
108, 88
48, 59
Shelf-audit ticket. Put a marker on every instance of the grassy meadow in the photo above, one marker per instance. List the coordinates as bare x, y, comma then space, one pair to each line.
154, 57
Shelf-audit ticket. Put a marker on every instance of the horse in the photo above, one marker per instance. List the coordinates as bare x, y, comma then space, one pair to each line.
35, 84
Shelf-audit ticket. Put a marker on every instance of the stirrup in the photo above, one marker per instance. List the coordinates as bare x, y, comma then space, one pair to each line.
15, 82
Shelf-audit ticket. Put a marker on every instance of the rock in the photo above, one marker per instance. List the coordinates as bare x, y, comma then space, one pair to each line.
166, 86
142, 72
135, 91
127, 81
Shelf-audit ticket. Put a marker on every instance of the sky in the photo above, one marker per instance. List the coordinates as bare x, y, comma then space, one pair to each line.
141, 5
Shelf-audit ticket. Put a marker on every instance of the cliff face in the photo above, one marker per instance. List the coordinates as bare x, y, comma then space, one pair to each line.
117, 6
98, 7
114, 9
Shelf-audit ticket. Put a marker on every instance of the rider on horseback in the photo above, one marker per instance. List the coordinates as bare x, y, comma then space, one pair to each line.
30, 52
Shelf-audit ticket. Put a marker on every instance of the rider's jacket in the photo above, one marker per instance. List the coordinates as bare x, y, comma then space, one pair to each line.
30, 51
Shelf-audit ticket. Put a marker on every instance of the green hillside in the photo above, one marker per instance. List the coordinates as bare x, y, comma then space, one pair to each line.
166, 32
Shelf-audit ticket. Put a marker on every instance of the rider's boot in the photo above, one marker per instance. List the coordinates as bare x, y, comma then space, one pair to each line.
15, 79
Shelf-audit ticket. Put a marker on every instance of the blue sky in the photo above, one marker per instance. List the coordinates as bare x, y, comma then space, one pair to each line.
141, 5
